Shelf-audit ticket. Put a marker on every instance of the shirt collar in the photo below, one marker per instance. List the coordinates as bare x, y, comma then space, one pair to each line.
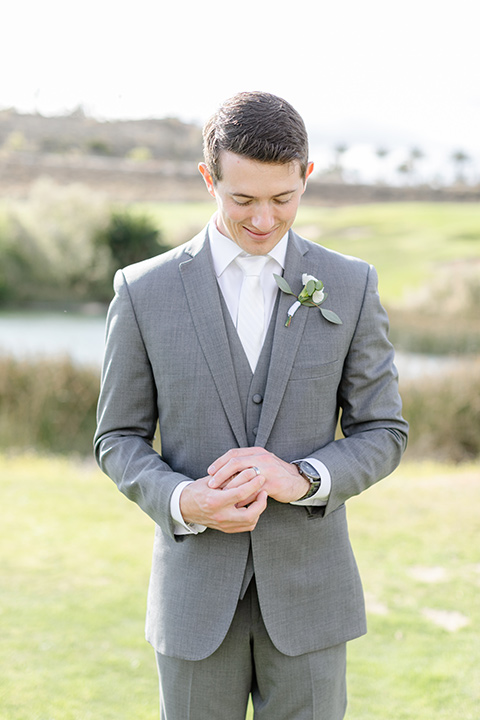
224, 250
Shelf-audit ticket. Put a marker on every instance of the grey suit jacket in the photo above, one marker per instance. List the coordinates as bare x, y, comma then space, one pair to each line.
167, 358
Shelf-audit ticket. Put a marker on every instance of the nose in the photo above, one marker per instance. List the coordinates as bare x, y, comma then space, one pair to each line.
262, 218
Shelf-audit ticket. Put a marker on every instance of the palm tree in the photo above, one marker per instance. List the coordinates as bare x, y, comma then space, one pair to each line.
340, 150
416, 154
460, 159
404, 169
381, 152
408, 167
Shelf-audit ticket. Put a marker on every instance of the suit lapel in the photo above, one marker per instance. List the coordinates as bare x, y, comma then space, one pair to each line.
203, 298
286, 341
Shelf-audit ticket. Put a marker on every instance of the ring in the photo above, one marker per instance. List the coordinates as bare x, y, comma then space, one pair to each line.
257, 471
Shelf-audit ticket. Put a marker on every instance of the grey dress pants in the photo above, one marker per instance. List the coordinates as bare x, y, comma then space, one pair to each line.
303, 687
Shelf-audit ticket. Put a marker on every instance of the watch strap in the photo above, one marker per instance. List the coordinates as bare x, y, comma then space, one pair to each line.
314, 479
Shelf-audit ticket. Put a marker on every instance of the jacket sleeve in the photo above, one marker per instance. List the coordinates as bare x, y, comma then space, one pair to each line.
375, 433
127, 415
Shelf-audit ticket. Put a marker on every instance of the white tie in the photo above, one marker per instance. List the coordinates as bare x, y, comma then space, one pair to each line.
251, 311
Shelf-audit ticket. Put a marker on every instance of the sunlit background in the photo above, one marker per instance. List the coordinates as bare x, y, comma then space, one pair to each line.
390, 93
367, 76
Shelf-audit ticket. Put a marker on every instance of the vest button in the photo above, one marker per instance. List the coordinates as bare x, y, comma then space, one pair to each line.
255, 430
257, 399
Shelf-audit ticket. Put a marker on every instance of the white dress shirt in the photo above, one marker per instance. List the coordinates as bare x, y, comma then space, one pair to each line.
230, 278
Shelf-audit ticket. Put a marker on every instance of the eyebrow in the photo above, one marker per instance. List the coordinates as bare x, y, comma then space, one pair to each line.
252, 197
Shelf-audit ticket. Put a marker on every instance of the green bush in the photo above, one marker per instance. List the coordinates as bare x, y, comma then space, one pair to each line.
64, 244
129, 237
47, 251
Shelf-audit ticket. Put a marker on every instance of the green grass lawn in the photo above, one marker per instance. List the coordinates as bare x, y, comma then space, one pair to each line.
407, 242
75, 558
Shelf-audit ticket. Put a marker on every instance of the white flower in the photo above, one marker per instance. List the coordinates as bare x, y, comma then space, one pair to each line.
313, 296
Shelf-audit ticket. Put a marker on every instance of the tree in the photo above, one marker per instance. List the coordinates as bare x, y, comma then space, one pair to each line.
416, 154
382, 152
408, 168
130, 238
404, 169
460, 159
340, 150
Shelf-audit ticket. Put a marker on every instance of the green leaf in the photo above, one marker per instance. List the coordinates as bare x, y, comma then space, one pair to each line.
331, 316
310, 287
319, 285
283, 284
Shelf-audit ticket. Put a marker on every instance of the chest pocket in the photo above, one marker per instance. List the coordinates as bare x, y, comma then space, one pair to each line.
309, 370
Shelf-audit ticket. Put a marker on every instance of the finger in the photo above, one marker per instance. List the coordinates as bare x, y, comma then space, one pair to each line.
221, 461
234, 467
247, 502
239, 478
232, 454
244, 491
259, 503
242, 519
253, 510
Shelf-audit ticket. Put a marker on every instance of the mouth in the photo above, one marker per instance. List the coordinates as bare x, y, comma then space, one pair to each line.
256, 234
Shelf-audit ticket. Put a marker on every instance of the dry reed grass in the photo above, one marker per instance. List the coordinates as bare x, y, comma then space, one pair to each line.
49, 406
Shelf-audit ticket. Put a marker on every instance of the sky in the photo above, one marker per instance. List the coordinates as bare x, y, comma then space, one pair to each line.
364, 73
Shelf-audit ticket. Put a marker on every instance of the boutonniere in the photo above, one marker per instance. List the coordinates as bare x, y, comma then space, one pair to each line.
312, 295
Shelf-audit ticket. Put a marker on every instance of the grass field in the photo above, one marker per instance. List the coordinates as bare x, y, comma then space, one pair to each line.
75, 559
407, 242
427, 256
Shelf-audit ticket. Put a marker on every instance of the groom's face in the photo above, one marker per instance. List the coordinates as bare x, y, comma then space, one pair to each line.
257, 202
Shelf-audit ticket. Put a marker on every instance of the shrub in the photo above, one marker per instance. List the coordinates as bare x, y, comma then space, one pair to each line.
98, 146
434, 333
64, 243
129, 237
442, 316
141, 153
47, 405
444, 414
47, 252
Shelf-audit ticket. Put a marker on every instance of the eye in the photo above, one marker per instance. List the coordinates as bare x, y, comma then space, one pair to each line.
242, 204
282, 202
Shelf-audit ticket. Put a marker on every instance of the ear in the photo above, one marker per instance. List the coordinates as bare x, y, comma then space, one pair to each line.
207, 177
309, 171
307, 175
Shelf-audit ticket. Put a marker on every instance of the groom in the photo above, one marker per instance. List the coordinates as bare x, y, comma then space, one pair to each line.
254, 589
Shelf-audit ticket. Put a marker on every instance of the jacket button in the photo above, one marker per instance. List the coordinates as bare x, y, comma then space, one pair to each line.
257, 399
255, 430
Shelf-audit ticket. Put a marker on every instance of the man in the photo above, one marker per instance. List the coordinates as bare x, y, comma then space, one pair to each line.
254, 588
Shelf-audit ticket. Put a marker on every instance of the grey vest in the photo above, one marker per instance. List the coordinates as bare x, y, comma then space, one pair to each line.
251, 389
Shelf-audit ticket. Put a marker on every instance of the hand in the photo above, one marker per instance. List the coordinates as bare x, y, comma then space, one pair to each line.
283, 482
230, 510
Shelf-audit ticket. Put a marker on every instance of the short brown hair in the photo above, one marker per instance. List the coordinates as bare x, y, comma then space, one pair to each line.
259, 126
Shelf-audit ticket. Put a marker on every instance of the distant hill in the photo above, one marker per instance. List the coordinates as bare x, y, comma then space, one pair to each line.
161, 139
150, 159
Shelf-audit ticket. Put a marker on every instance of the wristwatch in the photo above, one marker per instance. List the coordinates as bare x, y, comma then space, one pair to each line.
307, 471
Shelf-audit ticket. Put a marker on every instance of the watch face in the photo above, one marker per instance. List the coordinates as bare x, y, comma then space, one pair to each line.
309, 470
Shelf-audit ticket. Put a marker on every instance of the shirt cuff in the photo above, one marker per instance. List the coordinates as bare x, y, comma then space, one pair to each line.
321, 496
180, 526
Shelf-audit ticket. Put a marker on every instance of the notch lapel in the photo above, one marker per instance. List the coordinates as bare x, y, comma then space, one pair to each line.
286, 341
202, 292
